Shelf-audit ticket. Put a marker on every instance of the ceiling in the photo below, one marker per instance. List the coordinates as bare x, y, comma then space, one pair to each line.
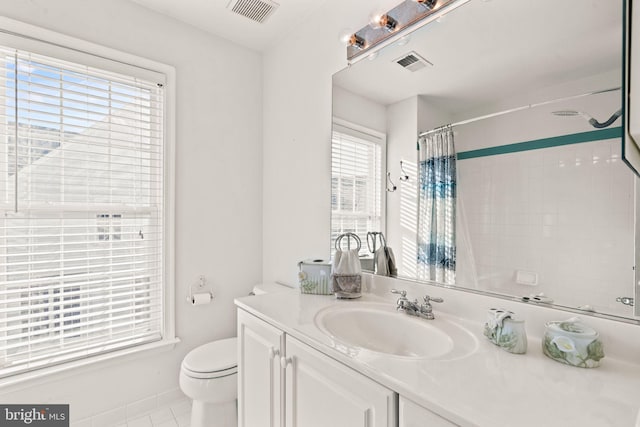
493, 47
485, 51
214, 17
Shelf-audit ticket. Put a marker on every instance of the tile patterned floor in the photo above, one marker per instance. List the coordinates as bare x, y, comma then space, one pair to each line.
176, 414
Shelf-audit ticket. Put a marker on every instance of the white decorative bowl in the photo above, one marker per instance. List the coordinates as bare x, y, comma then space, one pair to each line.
573, 343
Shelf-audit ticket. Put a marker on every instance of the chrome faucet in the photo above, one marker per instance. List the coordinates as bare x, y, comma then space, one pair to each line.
412, 308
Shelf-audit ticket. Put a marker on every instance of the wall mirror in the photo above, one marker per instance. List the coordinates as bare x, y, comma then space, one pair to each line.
545, 207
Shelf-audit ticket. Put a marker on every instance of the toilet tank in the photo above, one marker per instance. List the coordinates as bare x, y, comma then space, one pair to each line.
270, 287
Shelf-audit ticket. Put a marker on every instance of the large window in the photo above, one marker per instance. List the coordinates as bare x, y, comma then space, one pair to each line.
356, 182
82, 202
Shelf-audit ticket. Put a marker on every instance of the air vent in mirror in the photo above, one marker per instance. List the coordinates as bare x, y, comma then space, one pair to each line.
256, 10
412, 61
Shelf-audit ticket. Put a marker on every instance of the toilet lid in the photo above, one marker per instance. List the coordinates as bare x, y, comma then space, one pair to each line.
216, 356
209, 375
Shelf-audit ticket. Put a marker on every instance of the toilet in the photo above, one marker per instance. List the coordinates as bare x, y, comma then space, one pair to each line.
208, 376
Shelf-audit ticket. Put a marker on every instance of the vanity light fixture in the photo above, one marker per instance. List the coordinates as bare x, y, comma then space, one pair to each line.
356, 42
404, 40
429, 4
384, 21
401, 20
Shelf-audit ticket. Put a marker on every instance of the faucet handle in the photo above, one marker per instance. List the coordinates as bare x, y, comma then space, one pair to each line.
403, 294
427, 299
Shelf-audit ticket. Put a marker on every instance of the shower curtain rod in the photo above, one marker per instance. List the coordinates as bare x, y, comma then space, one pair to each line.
513, 110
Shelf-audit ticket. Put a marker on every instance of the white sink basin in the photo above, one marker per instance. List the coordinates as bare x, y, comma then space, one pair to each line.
379, 328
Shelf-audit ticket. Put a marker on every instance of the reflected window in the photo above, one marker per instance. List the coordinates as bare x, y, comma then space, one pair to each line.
356, 182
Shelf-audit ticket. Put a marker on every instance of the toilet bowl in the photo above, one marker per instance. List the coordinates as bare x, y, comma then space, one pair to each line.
208, 376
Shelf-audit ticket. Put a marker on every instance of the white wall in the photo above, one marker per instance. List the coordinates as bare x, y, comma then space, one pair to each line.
297, 135
402, 122
218, 191
359, 110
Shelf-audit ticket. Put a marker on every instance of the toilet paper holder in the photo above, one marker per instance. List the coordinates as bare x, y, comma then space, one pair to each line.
196, 291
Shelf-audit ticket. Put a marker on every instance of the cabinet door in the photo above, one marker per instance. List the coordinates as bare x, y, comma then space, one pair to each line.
322, 392
259, 373
412, 415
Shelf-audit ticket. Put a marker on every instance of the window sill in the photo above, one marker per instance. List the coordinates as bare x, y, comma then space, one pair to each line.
76, 367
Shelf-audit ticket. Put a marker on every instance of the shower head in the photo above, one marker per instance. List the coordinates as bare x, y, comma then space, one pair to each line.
565, 113
572, 113
593, 122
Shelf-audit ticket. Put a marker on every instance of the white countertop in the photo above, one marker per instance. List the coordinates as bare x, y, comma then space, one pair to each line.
489, 387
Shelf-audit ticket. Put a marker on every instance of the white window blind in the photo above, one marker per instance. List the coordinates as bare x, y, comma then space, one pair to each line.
356, 184
81, 194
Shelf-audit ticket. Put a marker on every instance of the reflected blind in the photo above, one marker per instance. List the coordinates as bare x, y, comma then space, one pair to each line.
81, 194
356, 185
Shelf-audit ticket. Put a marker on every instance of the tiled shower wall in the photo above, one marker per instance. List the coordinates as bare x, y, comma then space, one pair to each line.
564, 213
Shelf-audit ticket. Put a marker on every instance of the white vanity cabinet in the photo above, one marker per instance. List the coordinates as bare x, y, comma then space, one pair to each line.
412, 415
323, 392
259, 373
302, 387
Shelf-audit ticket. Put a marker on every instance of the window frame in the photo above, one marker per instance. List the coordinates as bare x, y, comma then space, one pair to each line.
39, 40
373, 136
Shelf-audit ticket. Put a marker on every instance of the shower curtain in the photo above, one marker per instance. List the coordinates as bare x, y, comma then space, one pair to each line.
437, 207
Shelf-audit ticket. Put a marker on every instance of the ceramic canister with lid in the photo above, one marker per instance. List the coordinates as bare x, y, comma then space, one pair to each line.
572, 342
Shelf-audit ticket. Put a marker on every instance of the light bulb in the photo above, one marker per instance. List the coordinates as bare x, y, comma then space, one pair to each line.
429, 4
356, 41
345, 36
375, 18
384, 21
389, 23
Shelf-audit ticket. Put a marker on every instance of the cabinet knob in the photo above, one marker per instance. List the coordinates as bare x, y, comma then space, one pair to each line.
285, 361
273, 352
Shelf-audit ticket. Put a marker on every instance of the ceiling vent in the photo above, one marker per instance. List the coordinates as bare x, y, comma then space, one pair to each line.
413, 62
256, 10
